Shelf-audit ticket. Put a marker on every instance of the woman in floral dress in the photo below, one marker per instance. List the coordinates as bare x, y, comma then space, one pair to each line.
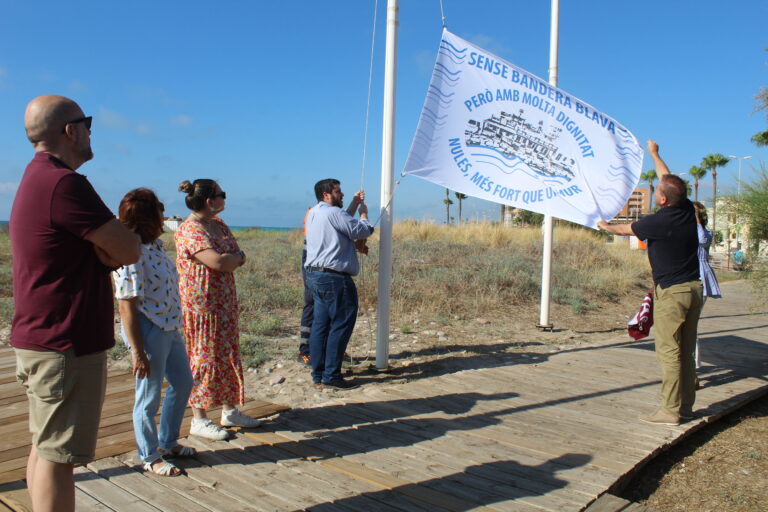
207, 256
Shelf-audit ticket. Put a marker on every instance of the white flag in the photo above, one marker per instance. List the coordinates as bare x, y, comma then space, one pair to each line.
491, 130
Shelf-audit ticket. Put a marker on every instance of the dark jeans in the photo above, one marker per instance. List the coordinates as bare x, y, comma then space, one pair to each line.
307, 312
335, 314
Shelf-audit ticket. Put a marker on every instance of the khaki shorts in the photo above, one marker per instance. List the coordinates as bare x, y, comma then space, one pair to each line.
65, 397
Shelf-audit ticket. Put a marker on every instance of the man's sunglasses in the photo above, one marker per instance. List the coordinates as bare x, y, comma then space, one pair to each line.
87, 120
222, 195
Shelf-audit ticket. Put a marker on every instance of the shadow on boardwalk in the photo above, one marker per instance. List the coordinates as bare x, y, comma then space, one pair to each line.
514, 431
473, 483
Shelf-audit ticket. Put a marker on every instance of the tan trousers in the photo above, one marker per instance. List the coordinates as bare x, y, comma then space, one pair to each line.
676, 312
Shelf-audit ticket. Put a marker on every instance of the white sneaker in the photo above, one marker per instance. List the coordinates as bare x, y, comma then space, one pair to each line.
235, 418
206, 428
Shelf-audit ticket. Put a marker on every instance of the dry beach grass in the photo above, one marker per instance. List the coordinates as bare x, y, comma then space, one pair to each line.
468, 296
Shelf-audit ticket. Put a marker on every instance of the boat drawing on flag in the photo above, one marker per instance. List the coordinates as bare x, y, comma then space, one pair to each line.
521, 142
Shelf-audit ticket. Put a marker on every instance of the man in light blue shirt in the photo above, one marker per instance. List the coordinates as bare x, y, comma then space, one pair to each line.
331, 263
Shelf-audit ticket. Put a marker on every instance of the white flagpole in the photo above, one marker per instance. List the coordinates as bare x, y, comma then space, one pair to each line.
387, 167
546, 264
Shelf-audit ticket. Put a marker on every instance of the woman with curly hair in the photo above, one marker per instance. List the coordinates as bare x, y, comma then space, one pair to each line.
150, 309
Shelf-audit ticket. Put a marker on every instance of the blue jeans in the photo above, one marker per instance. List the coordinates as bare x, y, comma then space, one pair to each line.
335, 298
167, 356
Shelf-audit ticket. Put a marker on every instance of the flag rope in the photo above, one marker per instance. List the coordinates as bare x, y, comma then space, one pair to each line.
442, 14
371, 338
368, 102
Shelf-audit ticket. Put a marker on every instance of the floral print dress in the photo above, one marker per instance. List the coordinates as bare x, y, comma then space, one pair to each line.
210, 311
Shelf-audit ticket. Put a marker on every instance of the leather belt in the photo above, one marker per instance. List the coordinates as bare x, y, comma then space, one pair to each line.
325, 269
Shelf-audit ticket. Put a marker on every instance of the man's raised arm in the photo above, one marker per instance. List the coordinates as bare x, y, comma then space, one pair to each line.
661, 167
616, 229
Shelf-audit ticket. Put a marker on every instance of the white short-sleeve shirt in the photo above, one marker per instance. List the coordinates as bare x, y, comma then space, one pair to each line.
153, 279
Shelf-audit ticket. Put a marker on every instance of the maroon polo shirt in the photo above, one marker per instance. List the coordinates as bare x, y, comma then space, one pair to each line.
62, 293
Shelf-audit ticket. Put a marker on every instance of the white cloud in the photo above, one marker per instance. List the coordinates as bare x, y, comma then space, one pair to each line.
112, 119
182, 120
115, 121
77, 86
8, 188
144, 129
119, 147
143, 93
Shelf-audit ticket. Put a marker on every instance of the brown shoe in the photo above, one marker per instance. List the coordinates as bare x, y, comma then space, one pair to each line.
661, 417
687, 415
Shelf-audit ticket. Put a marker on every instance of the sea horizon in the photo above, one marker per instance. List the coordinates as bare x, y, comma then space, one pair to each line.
4, 227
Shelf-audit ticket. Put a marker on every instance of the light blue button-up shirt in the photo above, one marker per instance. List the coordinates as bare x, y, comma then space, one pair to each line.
331, 235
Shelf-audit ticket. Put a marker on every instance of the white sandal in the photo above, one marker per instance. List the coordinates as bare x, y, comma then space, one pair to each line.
167, 469
183, 451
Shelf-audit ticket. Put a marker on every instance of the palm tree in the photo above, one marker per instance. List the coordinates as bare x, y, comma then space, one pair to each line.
460, 197
696, 173
688, 188
713, 161
761, 139
649, 176
447, 201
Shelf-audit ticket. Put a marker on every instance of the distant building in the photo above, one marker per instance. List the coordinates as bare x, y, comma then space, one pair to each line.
638, 205
172, 223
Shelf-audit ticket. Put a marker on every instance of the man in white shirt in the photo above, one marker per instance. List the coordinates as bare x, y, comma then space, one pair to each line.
331, 263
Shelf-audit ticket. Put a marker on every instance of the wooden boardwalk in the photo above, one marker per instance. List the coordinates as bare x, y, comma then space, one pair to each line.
532, 432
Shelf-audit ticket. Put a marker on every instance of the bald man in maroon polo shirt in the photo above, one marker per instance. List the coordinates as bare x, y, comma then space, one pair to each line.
64, 242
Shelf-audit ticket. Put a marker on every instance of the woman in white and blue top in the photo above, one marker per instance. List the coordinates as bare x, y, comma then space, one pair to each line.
150, 309
708, 278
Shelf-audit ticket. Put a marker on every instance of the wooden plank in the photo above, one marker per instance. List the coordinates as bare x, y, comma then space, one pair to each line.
578, 406
86, 503
205, 495
532, 473
144, 486
359, 495
377, 477
419, 492
361, 472
15, 497
283, 481
580, 422
451, 479
107, 493
593, 478
13, 470
636, 507
608, 503
15, 452
211, 468
347, 437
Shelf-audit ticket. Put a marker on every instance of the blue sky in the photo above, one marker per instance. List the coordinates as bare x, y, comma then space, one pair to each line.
269, 97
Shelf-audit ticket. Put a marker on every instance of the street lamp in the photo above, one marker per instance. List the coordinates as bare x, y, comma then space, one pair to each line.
738, 193
739, 158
